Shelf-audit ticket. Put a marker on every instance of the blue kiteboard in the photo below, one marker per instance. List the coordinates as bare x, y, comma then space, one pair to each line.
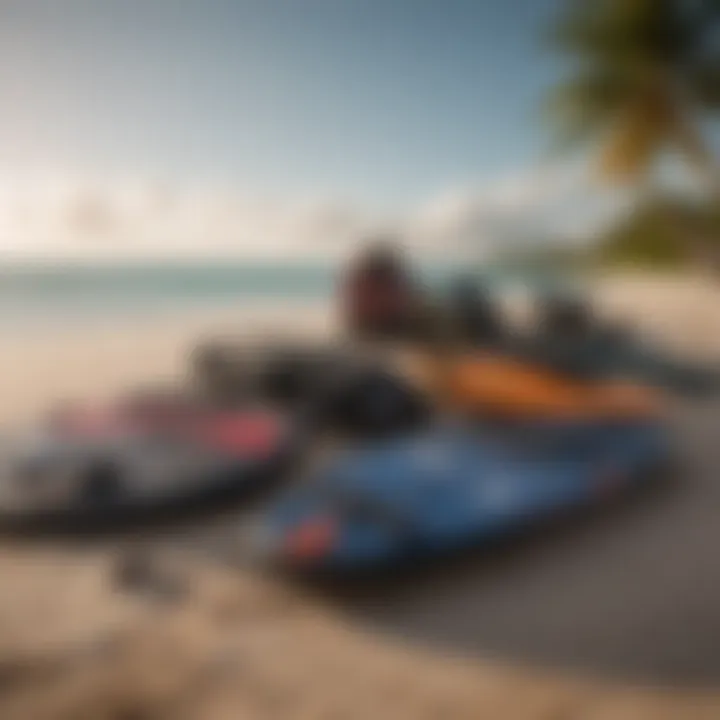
452, 487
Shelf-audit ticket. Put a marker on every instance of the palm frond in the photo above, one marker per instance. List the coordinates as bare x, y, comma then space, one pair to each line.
633, 142
705, 85
643, 68
626, 32
583, 105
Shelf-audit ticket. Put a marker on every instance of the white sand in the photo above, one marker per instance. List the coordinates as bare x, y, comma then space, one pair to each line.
682, 312
73, 647
42, 365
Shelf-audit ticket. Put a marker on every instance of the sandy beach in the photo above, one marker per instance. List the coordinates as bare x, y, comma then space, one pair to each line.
203, 641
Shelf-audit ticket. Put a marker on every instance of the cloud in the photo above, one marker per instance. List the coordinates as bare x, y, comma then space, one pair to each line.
555, 203
66, 216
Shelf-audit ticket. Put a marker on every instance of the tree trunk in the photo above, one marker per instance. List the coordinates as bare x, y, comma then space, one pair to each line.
700, 158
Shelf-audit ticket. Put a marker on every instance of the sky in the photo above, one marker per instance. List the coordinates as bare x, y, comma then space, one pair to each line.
272, 126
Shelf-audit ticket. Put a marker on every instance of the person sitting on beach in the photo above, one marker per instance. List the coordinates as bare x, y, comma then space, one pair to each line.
380, 298
476, 317
566, 317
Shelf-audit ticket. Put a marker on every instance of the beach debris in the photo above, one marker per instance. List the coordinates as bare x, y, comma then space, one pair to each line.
148, 575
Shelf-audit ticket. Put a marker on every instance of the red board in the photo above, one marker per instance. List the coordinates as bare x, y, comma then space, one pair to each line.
243, 432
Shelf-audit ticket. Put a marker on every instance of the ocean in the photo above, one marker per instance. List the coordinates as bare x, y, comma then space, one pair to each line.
85, 291
80, 292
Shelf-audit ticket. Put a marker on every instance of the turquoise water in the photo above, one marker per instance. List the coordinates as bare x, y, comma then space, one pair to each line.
78, 291
124, 283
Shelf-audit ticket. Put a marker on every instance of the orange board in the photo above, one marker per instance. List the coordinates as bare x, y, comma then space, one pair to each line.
502, 386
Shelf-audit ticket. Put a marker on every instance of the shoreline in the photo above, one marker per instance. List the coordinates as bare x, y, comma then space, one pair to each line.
44, 363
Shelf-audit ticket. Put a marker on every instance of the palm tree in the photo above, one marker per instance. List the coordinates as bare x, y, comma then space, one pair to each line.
646, 74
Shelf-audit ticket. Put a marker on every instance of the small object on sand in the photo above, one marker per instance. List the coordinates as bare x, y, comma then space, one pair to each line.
141, 573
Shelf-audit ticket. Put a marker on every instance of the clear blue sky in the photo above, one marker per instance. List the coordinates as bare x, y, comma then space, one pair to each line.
381, 101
